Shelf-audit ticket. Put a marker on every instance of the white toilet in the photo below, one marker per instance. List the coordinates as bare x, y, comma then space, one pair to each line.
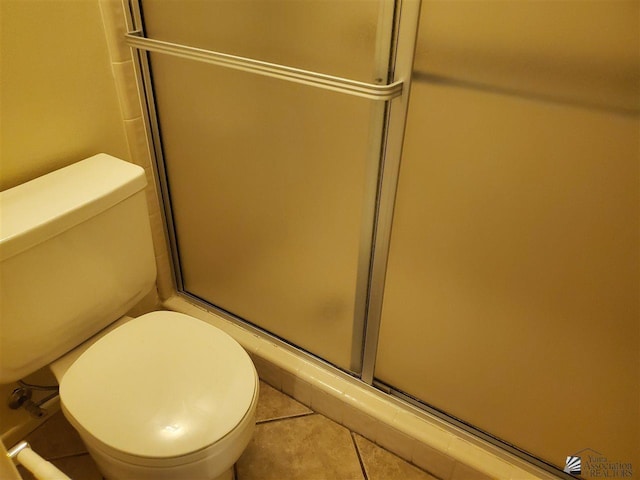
161, 396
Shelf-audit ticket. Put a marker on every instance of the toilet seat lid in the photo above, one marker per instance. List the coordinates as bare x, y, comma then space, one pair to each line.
162, 385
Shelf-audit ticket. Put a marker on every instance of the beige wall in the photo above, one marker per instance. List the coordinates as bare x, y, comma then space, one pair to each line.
58, 99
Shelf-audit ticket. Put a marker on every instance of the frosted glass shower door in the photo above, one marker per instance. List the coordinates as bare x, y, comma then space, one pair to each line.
272, 183
512, 292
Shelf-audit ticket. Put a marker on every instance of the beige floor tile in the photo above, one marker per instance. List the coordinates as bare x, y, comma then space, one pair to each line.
303, 448
81, 467
273, 404
383, 465
56, 438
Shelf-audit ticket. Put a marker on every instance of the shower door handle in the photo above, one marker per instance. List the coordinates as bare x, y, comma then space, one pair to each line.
371, 91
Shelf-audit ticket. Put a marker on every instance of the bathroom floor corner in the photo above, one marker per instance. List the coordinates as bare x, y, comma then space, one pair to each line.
290, 441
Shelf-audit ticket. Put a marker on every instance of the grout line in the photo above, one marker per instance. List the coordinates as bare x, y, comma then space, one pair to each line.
71, 455
279, 419
355, 446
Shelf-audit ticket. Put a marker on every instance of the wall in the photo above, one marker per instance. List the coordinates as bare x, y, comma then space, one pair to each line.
59, 103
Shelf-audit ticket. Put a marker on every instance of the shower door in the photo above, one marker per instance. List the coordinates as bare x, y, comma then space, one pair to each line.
511, 297
272, 184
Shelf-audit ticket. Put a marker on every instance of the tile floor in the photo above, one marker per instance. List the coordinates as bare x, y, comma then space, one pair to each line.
291, 442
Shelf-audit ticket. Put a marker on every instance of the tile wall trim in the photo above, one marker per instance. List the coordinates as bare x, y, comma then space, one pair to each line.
393, 424
134, 124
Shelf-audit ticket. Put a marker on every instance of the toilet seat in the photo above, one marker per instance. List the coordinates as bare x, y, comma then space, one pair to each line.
163, 389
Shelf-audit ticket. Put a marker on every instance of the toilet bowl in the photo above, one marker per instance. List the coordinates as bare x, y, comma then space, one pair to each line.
162, 396
173, 397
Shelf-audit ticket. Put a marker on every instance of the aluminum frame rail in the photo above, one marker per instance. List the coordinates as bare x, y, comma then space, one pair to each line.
370, 91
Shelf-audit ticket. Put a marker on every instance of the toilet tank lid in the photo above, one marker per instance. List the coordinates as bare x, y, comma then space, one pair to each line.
47, 206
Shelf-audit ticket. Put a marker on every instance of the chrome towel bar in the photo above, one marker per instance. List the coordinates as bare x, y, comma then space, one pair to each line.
283, 72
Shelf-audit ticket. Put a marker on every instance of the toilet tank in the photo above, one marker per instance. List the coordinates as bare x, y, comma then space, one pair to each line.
75, 254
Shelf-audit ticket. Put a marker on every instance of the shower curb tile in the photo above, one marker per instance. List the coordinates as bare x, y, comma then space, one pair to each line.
326, 404
361, 423
396, 442
288, 380
277, 355
424, 432
297, 388
250, 341
323, 380
465, 472
268, 372
433, 461
475, 458
519, 474
382, 410
275, 359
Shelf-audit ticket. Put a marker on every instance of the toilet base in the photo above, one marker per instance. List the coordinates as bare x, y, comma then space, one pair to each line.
228, 475
113, 469
214, 464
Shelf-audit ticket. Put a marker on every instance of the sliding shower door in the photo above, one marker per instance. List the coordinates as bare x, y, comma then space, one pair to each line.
272, 184
511, 299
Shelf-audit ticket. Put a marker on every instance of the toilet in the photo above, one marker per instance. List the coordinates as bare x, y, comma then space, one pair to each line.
160, 396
